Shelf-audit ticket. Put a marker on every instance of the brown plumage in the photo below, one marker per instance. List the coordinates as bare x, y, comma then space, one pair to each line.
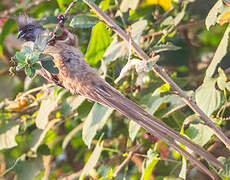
76, 75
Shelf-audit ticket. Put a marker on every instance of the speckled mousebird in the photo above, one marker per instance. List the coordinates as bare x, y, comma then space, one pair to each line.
76, 75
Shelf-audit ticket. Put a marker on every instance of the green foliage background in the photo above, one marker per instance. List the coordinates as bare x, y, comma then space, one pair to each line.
45, 132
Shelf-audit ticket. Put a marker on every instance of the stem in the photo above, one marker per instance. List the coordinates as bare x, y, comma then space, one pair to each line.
159, 71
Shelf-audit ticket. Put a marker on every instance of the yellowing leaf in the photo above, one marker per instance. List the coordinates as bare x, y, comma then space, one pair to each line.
224, 18
165, 4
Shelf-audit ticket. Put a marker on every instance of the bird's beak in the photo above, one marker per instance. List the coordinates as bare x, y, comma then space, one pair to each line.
21, 34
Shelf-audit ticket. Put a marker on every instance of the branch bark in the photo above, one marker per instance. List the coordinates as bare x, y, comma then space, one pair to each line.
160, 72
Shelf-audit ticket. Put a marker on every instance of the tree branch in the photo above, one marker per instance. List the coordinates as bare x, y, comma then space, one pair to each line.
160, 72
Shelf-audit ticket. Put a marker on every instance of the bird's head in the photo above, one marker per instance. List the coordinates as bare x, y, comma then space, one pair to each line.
28, 28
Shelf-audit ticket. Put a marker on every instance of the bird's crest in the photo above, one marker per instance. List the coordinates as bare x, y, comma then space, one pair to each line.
24, 20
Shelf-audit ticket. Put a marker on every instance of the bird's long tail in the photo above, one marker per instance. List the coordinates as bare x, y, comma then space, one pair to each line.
114, 99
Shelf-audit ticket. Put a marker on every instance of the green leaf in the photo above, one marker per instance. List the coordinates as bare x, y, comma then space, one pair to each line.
32, 72
161, 89
36, 66
105, 5
219, 54
71, 134
165, 47
150, 163
33, 57
199, 133
92, 161
133, 129
208, 98
27, 50
28, 169
100, 40
20, 66
45, 57
212, 17
178, 18
7, 135
20, 56
7, 28
221, 80
71, 103
225, 173
43, 149
83, 21
28, 71
49, 66
152, 102
228, 86
96, 119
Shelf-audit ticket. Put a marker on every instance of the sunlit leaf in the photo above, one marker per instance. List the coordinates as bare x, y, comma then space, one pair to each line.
221, 80
137, 29
161, 89
46, 107
178, 18
219, 54
96, 119
150, 163
7, 135
165, 47
121, 48
128, 4
211, 19
71, 103
133, 129
183, 170
115, 50
198, 133
100, 40
104, 5
92, 161
208, 98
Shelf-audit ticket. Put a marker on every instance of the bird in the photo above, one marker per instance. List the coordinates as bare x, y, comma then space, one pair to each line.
77, 76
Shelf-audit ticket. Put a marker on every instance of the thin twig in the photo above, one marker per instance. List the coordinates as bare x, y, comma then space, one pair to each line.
62, 21
159, 71
164, 16
127, 159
